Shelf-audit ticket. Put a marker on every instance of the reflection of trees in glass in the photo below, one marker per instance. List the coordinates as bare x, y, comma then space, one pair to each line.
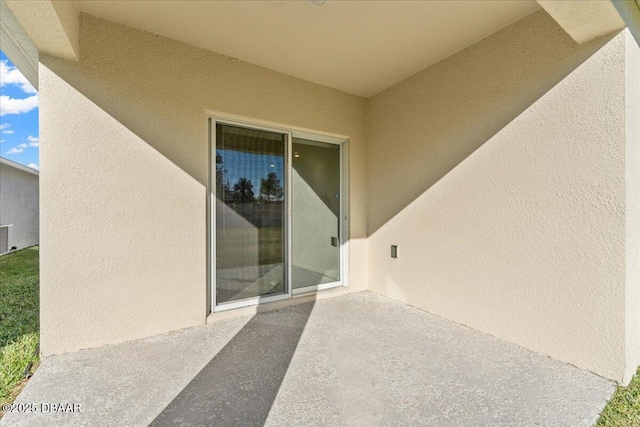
222, 188
243, 190
271, 187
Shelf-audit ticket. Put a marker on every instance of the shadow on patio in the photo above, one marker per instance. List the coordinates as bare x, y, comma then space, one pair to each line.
358, 359
238, 386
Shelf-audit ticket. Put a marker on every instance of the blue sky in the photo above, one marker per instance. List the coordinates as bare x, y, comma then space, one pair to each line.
18, 116
254, 167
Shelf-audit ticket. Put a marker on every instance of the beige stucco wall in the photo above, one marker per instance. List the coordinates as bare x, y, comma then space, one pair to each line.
504, 173
500, 173
632, 307
19, 205
124, 141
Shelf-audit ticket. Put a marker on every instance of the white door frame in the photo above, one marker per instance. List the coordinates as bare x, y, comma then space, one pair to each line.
289, 134
342, 215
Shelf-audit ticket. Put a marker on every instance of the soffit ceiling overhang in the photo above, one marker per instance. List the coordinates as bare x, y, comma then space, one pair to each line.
359, 47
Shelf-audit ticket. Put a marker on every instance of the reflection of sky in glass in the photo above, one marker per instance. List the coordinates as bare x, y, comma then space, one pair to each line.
239, 164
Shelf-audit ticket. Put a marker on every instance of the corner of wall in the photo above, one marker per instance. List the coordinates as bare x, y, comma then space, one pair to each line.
632, 306
629, 11
500, 173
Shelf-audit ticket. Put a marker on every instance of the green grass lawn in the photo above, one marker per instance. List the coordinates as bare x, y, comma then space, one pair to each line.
249, 247
18, 318
623, 409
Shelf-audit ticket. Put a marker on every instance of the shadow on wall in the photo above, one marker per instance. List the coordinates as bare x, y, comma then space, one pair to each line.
159, 89
138, 102
239, 385
422, 128
126, 124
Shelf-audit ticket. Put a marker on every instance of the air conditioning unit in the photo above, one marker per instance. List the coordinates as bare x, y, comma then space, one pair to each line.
4, 238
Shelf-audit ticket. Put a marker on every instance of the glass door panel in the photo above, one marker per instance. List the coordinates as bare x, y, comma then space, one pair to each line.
250, 220
315, 204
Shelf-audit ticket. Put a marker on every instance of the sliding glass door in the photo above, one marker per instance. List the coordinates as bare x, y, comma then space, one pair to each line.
315, 219
276, 222
250, 213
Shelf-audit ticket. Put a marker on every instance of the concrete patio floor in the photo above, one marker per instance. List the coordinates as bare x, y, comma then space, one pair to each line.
357, 360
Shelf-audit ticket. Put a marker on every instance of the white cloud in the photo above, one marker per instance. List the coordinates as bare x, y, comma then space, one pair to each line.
34, 166
4, 126
8, 131
34, 141
10, 75
10, 105
1, 141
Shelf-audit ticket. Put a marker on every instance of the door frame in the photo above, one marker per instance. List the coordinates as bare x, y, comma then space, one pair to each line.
213, 118
341, 239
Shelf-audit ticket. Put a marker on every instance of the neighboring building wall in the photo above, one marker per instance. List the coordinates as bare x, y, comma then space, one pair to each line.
124, 141
500, 173
19, 205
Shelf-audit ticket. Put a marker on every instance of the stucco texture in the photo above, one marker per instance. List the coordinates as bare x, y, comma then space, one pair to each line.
504, 173
19, 202
632, 307
124, 141
500, 174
